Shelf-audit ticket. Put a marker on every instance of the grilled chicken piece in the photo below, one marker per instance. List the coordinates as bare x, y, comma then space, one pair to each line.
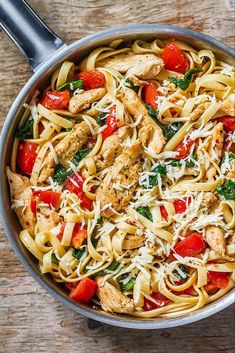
231, 173
227, 108
46, 218
198, 111
232, 239
111, 148
65, 150
85, 99
112, 299
137, 67
214, 147
132, 242
215, 239
210, 201
125, 171
21, 191
150, 133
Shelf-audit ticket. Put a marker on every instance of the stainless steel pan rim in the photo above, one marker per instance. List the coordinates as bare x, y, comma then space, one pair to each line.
112, 319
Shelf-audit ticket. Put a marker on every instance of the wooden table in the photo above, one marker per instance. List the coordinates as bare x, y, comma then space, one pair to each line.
30, 319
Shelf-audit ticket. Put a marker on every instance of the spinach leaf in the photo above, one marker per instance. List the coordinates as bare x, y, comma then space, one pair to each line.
54, 259
231, 157
112, 267
168, 130
61, 173
159, 169
94, 240
186, 80
144, 211
227, 190
25, 132
189, 163
127, 286
77, 253
79, 155
101, 120
72, 85
130, 84
184, 269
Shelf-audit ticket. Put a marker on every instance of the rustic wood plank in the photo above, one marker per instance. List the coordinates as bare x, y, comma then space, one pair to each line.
31, 320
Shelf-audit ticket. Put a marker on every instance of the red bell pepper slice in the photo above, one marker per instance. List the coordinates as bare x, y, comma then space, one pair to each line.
26, 156
192, 245
91, 79
181, 205
56, 100
183, 148
228, 123
78, 236
52, 198
160, 299
218, 279
150, 94
74, 183
111, 123
174, 59
84, 291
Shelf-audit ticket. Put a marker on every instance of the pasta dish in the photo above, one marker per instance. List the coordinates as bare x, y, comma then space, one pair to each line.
122, 176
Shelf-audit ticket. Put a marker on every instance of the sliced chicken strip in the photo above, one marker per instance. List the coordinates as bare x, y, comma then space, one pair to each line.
199, 110
21, 193
227, 108
215, 238
214, 147
85, 99
132, 242
137, 67
65, 150
46, 218
112, 299
150, 134
125, 173
111, 148
210, 201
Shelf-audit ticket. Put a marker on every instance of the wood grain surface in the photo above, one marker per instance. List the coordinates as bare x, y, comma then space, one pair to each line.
31, 321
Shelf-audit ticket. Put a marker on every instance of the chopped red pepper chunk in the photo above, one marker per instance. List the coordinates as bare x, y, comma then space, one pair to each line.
91, 79
218, 279
183, 148
181, 205
74, 183
160, 301
192, 245
111, 123
26, 156
84, 291
52, 198
228, 123
150, 94
78, 236
174, 59
56, 100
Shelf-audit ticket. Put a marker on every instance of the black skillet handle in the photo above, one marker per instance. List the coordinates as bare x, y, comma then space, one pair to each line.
30, 34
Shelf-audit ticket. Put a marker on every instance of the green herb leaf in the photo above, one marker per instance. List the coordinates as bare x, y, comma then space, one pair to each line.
25, 132
112, 267
184, 269
77, 253
94, 240
231, 157
79, 155
186, 80
189, 163
159, 169
72, 85
54, 259
130, 84
144, 211
127, 286
61, 173
227, 190
101, 120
